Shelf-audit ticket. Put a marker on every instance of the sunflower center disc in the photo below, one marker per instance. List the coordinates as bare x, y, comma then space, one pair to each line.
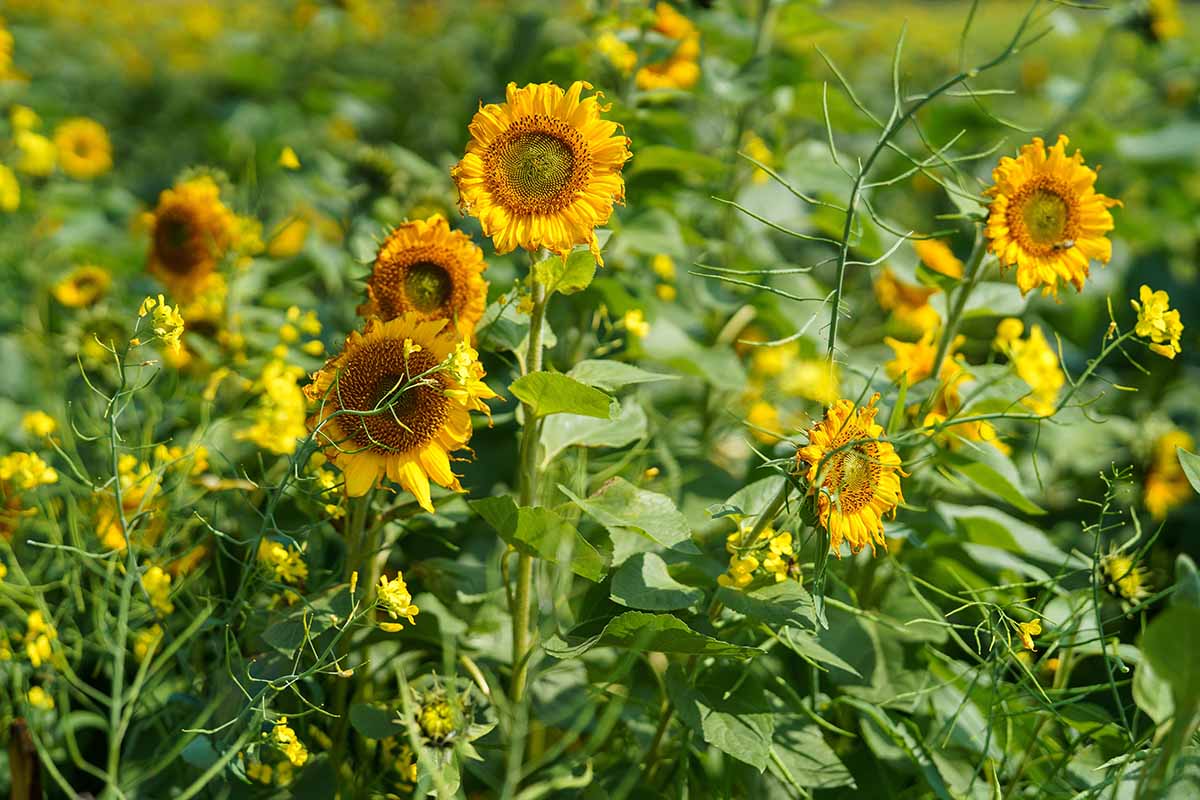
395, 421
537, 165
1045, 217
428, 286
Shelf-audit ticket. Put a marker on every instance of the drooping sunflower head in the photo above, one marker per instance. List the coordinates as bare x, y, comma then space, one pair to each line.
1046, 217
191, 231
425, 268
84, 151
83, 286
853, 474
542, 169
394, 403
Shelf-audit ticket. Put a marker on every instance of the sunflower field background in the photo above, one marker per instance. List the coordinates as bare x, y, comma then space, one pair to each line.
741, 398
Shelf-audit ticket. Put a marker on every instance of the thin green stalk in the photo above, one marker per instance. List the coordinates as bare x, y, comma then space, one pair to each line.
528, 480
971, 278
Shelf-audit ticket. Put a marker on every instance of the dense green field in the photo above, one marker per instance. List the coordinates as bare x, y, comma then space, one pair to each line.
743, 398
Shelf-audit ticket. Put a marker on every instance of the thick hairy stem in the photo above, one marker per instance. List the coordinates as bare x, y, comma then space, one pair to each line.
528, 478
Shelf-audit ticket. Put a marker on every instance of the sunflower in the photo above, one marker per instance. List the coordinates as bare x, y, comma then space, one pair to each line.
1046, 217
426, 268
1123, 577
84, 151
83, 286
394, 403
908, 302
854, 475
190, 232
543, 169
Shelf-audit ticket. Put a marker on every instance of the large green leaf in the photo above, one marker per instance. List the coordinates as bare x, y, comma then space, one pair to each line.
643, 582
1172, 646
555, 393
991, 471
373, 722
777, 604
620, 506
613, 375
567, 275
541, 532
635, 630
802, 756
1191, 467
561, 431
729, 710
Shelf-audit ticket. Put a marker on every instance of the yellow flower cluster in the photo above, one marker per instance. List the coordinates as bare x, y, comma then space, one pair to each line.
157, 583
279, 417
40, 698
139, 488
1166, 484
617, 51
38, 155
1035, 363
287, 563
302, 323
664, 267
772, 551
146, 640
39, 638
1158, 322
285, 739
1123, 577
165, 321
680, 70
26, 471
807, 378
1027, 630
395, 599
635, 323
10, 190
907, 302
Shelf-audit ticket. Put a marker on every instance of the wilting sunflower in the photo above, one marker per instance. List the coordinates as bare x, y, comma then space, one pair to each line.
191, 231
426, 268
857, 483
543, 169
84, 151
394, 403
83, 286
1046, 217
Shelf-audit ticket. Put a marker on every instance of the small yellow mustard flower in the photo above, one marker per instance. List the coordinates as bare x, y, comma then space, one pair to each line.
39, 636
1035, 363
278, 419
313, 348
38, 423
757, 149
635, 322
741, 572
146, 640
396, 600
157, 583
666, 292
166, 321
40, 698
1028, 630
285, 739
617, 51
10, 190
23, 118
287, 563
38, 154
288, 333
663, 266
764, 422
1158, 322
26, 471
288, 159
780, 557
353, 582
258, 771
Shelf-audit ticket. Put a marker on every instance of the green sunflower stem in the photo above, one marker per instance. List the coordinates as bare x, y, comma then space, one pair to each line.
528, 478
973, 274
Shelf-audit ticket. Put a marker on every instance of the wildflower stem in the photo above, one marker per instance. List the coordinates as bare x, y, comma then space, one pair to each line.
527, 479
973, 274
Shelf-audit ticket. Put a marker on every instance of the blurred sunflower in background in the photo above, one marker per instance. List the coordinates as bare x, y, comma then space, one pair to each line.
542, 169
191, 230
84, 151
394, 403
1046, 217
859, 480
83, 286
425, 268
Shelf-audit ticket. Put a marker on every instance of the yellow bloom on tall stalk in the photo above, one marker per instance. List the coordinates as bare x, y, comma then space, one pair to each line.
84, 151
285, 562
26, 471
157, 582
396, 600
83, 286
1046, 218
938, 256
425, 268
1158, 322
165, 321
10, 190
680, 70
542, 169
191, 231
909, 303
1167, 485
38, 154
1035, 362
39, 639
853, 474
279, 418
39, 423
395, 403
286, 740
